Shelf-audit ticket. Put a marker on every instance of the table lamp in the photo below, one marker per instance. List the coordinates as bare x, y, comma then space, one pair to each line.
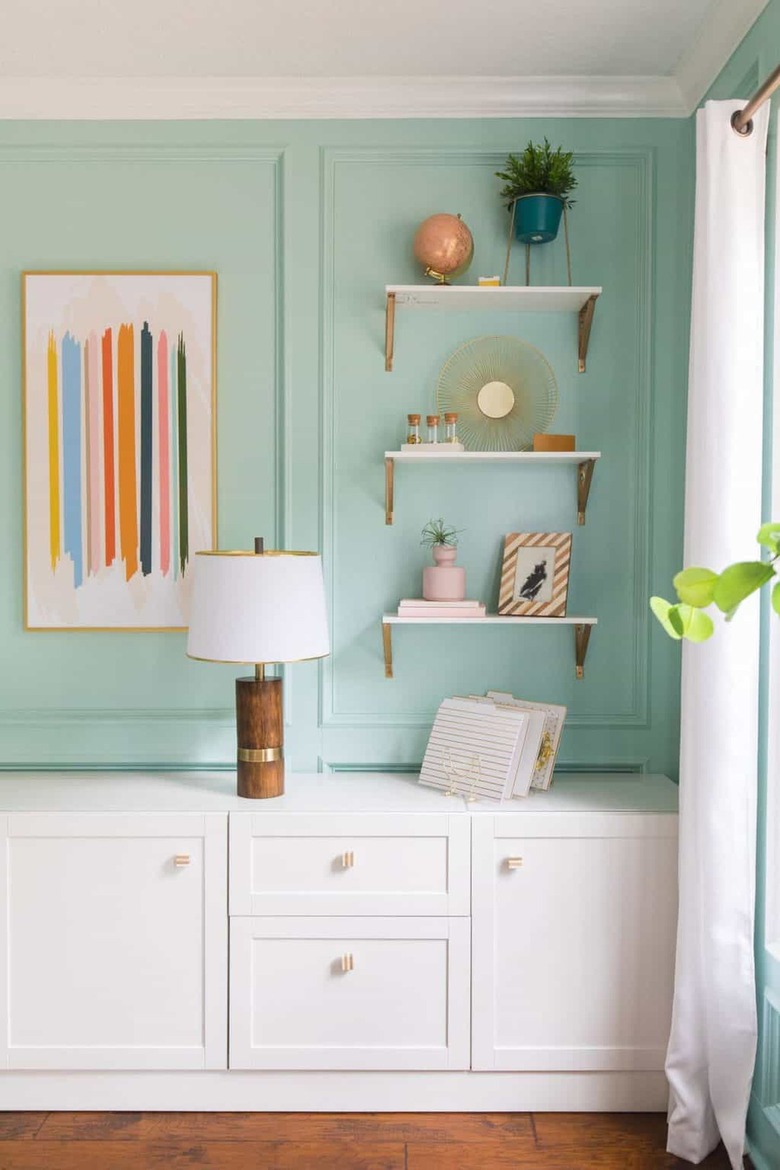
258, 607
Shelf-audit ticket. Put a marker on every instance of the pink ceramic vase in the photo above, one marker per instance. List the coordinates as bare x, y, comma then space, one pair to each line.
444, 580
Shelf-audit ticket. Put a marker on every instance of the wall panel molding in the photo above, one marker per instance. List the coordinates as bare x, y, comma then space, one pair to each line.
642, 161
34, 738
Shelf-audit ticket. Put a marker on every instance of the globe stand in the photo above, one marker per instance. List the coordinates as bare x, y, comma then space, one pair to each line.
528, 247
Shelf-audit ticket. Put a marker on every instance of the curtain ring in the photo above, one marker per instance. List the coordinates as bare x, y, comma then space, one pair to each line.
746, 130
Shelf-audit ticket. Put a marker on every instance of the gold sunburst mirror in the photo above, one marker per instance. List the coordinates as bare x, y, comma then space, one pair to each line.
504, 391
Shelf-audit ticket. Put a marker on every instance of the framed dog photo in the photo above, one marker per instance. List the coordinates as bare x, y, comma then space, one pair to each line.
535, 574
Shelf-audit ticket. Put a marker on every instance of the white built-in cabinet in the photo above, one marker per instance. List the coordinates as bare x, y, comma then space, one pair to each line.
115, 939
358, 923
573, 940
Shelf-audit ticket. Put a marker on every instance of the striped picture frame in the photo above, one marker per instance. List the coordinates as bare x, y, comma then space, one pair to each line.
535, 574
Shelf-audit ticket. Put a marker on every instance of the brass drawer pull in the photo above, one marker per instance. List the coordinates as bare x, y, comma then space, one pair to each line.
181, 859
347, 860
514, 863
347, 963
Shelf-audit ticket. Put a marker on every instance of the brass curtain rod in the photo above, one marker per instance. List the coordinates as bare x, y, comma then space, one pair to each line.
742, 120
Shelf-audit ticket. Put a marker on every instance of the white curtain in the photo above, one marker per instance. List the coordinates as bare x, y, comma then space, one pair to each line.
713, 1039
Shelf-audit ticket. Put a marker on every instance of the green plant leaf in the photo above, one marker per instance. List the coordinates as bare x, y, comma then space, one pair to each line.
738, 581
696, 586
438, 532
662, 609
769, 537
682, 621
776, 598
697, 626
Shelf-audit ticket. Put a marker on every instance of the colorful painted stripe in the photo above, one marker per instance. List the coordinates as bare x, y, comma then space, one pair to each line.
55, 548
128, 511
174, 463
164, 452
109, 486
71, 454
93, 444
147, 422
181, 378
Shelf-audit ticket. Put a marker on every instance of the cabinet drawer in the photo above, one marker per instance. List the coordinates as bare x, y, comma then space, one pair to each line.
349, 993
349, 864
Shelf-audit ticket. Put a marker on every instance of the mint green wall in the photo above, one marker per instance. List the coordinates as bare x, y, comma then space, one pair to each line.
305, 223
756, 57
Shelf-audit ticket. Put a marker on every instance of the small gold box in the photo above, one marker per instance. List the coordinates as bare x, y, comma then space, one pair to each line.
555, 443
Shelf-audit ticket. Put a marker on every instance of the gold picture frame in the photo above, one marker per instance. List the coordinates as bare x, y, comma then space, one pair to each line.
535, 574
119, 445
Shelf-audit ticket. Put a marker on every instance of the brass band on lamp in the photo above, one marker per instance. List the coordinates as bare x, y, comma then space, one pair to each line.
260, 755
257, 608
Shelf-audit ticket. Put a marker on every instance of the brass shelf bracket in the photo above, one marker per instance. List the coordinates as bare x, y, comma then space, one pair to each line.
387, 643
389, 492
389, 331
581, 639
584, 476
585, 322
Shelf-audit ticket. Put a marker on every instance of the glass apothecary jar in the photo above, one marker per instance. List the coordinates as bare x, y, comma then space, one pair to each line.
413, 429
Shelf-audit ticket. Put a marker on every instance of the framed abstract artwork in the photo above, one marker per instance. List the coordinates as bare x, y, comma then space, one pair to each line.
535, 574
119, 446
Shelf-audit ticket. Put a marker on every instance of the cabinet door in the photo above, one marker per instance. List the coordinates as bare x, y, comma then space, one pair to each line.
116, 941
573, 941
341, 993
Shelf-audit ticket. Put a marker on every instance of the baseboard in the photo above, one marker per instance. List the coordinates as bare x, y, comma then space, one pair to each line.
326, 1092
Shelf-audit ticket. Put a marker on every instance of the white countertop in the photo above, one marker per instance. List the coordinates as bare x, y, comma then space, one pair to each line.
311, 792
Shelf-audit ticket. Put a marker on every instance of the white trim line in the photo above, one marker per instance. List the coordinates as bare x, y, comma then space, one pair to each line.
107, 98
723, 30
336, 1091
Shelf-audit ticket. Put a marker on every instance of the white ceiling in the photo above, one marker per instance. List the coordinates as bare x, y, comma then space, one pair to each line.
651, 51
337, 38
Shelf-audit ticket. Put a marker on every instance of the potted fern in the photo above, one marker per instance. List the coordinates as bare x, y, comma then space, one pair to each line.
537, 186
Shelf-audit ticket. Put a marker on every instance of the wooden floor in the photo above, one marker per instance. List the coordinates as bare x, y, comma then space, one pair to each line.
338, 1141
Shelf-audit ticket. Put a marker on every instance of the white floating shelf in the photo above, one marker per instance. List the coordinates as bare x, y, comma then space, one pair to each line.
582, 628
531, 457
509, 298
585, 461
491, 619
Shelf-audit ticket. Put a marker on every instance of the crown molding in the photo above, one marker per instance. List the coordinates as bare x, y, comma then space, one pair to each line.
97, 99
722, 32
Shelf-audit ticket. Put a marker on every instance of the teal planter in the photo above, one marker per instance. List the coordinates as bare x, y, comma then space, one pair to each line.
537, 218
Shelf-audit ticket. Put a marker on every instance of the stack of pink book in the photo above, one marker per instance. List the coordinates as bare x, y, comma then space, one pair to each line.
417, 608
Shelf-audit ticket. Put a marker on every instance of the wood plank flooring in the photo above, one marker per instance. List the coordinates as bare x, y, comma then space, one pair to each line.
339, 1141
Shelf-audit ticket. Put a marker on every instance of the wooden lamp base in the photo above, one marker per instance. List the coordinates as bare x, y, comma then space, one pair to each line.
260, 730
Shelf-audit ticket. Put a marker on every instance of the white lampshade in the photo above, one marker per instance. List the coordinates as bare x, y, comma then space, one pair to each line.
258, 607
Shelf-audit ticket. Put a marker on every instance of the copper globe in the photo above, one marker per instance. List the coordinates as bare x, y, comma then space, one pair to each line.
444, 246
